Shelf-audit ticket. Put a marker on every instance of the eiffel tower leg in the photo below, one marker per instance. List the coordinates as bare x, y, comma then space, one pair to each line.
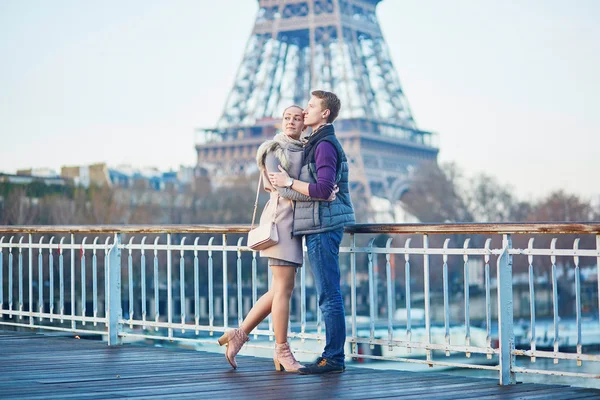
301, 95
236, 106
266, 82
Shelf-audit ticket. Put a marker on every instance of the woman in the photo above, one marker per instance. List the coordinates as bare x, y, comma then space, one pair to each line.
285, 257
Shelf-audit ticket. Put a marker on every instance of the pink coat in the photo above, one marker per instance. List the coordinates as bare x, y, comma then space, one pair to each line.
289, 248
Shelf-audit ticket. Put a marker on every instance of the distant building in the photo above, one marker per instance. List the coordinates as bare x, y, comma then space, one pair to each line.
384, 211
186, 175
38, 172
22, 179
126, 176
133, 186
86, 175
129, 177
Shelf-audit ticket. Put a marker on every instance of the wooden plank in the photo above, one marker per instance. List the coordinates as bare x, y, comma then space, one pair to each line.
35, 366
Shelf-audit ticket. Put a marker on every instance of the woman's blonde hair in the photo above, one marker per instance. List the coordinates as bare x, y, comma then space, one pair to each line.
293, 105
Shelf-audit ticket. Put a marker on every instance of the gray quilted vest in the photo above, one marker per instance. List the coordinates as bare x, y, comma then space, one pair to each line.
322, 216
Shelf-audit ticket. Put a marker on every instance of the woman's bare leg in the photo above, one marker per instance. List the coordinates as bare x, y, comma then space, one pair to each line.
260, 311
282, 288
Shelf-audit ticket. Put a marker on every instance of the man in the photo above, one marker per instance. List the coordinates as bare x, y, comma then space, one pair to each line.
324, 166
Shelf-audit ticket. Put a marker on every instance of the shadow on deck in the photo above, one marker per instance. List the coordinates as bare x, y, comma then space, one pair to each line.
43, 366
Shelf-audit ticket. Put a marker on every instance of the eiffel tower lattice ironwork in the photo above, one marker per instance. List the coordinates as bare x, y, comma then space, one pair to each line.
298, 46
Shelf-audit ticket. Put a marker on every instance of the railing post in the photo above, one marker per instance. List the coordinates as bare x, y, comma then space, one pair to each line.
427, 294
30, 280
114, 293
505, 313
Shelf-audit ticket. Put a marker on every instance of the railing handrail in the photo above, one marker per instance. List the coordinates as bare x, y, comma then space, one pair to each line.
583, 227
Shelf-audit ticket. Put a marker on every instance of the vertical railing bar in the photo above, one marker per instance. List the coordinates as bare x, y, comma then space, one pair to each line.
211, 310
83, 279
95, 281
390, 299
319, 315
426, 289
196, 286
156, 283
446, 308
225, 288
466, 296
303, 299
30, 262
488, 303
303, 295
51, 270
375, 287
21, 278
61, 273
73, 281
554, 296
303, 291
239, 282
577, 297
106, 277
353, 289
130, 281
532, 342
1, 275
182, 284
169, 288
10, 277
598, 272
269, 285
254, 285
372, 294
40, 280
143, 279
408, 294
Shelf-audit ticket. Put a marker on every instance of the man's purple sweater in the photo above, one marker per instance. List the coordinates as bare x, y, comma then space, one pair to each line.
326, 164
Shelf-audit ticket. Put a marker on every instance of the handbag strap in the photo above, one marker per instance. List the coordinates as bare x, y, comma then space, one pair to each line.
256, 201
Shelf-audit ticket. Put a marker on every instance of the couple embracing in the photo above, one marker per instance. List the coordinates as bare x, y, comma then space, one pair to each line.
307, 179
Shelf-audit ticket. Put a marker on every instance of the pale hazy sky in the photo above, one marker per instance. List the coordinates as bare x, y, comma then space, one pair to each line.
512, 88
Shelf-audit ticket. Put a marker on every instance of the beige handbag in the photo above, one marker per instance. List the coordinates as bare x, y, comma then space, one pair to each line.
265, 235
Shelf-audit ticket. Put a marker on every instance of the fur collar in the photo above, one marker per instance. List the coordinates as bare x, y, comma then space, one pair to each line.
277, 145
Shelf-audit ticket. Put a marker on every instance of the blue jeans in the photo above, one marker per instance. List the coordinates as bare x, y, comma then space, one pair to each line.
323, 254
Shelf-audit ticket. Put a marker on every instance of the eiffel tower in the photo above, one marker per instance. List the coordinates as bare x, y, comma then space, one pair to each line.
298, 46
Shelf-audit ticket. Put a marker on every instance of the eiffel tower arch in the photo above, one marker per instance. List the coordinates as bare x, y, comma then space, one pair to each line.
297, 46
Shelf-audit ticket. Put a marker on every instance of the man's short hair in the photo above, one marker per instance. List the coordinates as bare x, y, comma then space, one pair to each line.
329, 101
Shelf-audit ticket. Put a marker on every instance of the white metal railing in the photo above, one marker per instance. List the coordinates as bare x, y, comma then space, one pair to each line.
183, 283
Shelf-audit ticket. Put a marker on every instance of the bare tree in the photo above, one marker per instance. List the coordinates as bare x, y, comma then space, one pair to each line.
435, 194
488, 200
19, 209
232, 204
143, 214
102, 207
560, 206
57, 210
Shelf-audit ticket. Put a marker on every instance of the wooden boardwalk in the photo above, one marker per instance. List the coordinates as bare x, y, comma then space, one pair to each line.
38, 366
